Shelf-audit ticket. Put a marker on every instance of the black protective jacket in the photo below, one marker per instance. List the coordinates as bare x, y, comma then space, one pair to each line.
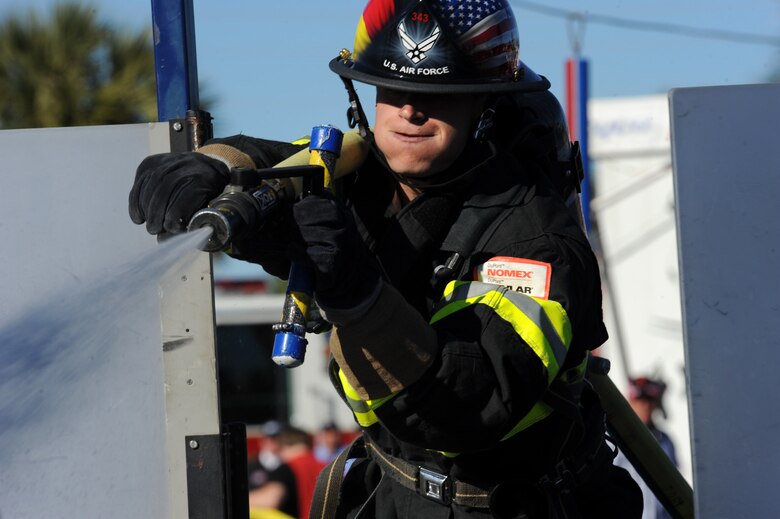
459, 417
485, 378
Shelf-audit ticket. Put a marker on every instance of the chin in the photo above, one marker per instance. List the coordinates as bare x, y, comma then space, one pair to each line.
410, 169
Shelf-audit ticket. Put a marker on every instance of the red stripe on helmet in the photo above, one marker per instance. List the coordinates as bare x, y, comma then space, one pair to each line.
376, 15
506, 25
509, 48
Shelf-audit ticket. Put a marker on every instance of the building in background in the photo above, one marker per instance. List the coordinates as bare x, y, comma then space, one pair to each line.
633, 208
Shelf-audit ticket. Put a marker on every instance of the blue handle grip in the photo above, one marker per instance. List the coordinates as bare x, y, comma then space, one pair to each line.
290, 343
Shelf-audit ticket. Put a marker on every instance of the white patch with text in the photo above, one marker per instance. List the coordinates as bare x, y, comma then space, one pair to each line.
521, 275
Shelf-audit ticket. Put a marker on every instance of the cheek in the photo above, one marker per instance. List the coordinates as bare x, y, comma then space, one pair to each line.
451, 146
459, 139
384, 143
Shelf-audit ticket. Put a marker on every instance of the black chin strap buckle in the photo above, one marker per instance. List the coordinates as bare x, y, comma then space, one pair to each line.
484, 125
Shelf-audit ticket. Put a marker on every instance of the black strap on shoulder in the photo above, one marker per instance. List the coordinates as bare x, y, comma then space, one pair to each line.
473, 226
327, 491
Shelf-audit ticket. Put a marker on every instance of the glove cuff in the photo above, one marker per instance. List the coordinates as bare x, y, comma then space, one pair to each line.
228, 155
342, 316
387, 350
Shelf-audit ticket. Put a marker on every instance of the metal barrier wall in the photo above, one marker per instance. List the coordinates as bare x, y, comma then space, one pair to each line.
727, 183
93, 413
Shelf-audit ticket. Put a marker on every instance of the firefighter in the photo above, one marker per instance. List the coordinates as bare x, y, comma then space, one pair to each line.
463, 291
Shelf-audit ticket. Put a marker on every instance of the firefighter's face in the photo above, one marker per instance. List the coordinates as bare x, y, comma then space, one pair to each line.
422, 134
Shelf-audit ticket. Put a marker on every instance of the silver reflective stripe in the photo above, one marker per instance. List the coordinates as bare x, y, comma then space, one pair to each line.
529, 306
534, 310
468, 290
358, 406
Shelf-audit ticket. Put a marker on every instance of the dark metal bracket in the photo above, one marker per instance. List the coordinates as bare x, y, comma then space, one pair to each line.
217, 484
190, 133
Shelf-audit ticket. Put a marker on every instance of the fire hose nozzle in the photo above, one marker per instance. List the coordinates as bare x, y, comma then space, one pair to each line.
238, 209
221, 223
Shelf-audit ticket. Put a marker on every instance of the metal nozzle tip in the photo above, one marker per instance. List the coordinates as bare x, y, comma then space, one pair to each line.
221, 235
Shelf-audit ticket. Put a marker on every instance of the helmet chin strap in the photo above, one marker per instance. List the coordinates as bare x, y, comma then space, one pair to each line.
355, 114
356, 117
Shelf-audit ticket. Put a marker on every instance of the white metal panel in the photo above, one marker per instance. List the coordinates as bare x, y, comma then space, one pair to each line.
87, 397
90, 444
727, 182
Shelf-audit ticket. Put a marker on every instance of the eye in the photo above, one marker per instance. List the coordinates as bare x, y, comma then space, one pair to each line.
392, 97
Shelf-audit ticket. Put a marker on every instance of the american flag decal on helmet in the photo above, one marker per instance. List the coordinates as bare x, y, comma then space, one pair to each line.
486, 32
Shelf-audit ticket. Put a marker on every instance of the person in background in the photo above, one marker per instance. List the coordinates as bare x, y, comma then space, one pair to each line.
646, 398
267, 459
328, 442
290, 487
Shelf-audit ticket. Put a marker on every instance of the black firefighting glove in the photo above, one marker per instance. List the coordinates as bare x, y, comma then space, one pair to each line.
170, 187
269, 246
347, 280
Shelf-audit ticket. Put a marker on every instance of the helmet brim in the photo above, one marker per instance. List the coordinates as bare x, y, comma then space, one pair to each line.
530, 81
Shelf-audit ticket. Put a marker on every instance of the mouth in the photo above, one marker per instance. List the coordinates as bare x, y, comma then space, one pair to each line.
412, 137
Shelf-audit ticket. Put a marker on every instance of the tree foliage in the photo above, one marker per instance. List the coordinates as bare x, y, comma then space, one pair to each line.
73, 70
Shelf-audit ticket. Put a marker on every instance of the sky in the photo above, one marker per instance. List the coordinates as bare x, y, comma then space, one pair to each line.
265, 63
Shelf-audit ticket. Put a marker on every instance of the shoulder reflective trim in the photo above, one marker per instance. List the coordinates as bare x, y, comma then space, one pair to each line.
302, 140
538, 412
541, 323
362, 409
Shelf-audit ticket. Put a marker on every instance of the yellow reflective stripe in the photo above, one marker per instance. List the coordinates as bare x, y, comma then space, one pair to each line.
547, 347
460, 295
448, 454
542, 324
538, 412
362, 409
302, 140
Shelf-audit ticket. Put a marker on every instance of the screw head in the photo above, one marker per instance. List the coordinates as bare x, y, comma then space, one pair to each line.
177, 127
194, 444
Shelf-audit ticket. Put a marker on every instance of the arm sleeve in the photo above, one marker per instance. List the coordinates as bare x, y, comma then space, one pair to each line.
496, 353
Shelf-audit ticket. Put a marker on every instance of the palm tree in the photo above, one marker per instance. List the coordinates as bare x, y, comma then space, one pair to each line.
73, 70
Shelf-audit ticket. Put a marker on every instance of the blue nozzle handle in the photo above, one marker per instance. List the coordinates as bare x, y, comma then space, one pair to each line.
326, 138
289, 349
290, 342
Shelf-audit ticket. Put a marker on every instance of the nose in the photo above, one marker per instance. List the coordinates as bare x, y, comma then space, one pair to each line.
412, 112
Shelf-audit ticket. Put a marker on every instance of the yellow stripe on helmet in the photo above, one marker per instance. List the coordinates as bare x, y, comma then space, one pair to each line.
362, 39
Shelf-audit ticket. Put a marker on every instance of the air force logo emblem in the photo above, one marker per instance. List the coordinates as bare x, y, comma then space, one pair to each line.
416, 49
